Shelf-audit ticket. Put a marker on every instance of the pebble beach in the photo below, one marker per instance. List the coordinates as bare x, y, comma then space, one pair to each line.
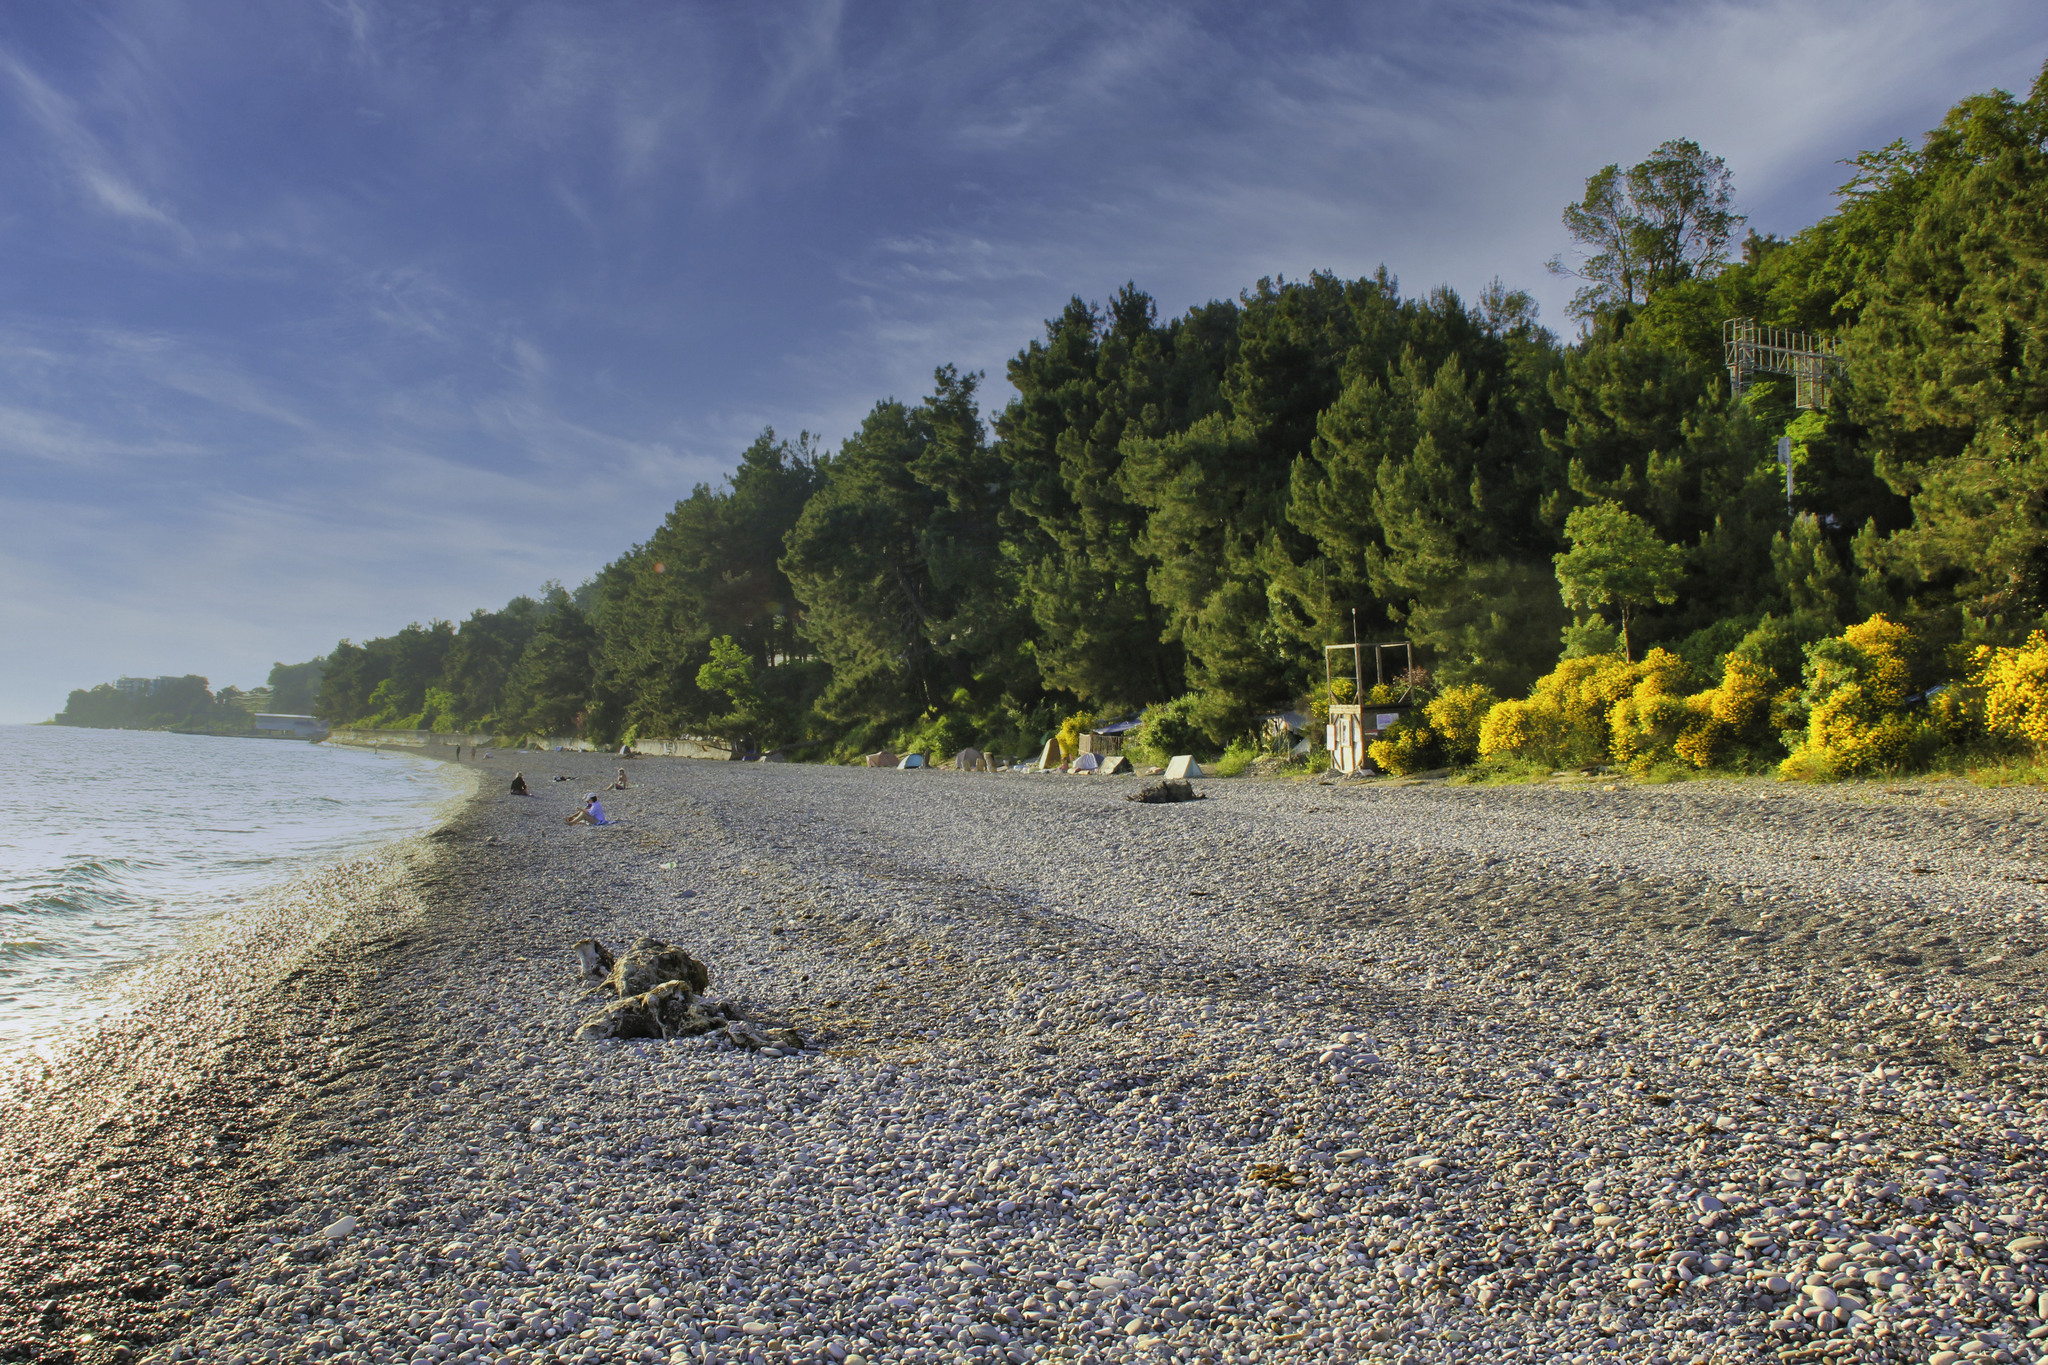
1306, 1070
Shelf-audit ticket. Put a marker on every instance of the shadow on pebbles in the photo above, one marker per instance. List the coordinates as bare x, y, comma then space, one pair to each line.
1007, 1068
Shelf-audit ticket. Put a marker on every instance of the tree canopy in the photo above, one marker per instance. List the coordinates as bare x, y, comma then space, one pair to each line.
1616, 561
1664, 220
1188, 508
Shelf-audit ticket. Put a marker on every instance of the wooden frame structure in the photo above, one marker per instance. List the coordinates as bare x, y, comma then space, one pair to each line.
1809, 359
1347, 734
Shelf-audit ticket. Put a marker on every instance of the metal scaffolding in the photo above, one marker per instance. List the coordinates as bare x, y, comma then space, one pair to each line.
1810, 360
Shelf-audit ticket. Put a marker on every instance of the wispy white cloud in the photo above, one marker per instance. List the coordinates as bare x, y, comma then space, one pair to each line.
354, 16
1443, 145
82, 154
940, 259
55, 439
181, 366
408, 300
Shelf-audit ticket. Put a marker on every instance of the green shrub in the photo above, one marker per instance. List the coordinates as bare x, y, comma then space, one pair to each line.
1235, 759
939, 737
1167, 729
1502, 768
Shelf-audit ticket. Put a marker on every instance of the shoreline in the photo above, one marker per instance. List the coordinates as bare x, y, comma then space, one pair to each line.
112, 992
1321, 1072
112, 1150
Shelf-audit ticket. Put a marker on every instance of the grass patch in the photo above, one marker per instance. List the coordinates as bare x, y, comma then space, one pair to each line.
1235, 760
1500, 770
2008, 771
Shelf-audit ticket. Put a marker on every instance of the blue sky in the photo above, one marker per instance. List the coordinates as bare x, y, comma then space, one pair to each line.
321, 317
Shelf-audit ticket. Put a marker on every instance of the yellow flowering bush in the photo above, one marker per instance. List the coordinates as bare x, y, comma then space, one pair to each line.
1338, 689
1070, 733
1512, 727
1957, 715
1740, 707
1856, 684
1643, 725
1564, 719
2015, 693
1605, 708
1457, 715
1410, 747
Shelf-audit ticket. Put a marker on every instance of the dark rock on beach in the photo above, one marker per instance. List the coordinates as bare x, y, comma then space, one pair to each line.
1165, 793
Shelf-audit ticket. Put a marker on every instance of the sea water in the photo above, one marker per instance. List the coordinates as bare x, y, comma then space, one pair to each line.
116, 845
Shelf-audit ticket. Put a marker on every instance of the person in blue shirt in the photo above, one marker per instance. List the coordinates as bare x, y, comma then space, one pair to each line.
591, 814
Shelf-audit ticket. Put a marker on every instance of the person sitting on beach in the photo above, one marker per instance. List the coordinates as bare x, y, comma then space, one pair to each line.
519, 784
591, 814
621, 784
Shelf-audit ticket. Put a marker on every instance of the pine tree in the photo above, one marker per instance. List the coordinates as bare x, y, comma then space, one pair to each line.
1950, 366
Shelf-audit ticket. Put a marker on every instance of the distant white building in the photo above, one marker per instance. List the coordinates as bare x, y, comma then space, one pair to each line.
304, 727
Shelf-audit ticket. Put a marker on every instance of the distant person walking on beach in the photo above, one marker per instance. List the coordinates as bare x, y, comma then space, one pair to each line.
591, 814
519, 784
621, 784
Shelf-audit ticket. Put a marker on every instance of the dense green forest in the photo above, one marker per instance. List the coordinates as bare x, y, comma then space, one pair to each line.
1179, 513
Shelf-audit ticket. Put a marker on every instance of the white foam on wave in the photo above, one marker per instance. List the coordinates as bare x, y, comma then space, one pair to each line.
116, 847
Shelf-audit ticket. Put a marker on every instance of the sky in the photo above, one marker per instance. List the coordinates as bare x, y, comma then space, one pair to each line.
321, 317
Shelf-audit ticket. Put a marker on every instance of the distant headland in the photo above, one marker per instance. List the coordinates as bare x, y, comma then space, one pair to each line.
188, 704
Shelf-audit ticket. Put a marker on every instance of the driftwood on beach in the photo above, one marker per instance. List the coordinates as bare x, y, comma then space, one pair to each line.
657, 988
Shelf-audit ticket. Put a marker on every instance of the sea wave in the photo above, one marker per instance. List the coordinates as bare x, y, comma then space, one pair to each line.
107, 868
67, 903
81, 885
